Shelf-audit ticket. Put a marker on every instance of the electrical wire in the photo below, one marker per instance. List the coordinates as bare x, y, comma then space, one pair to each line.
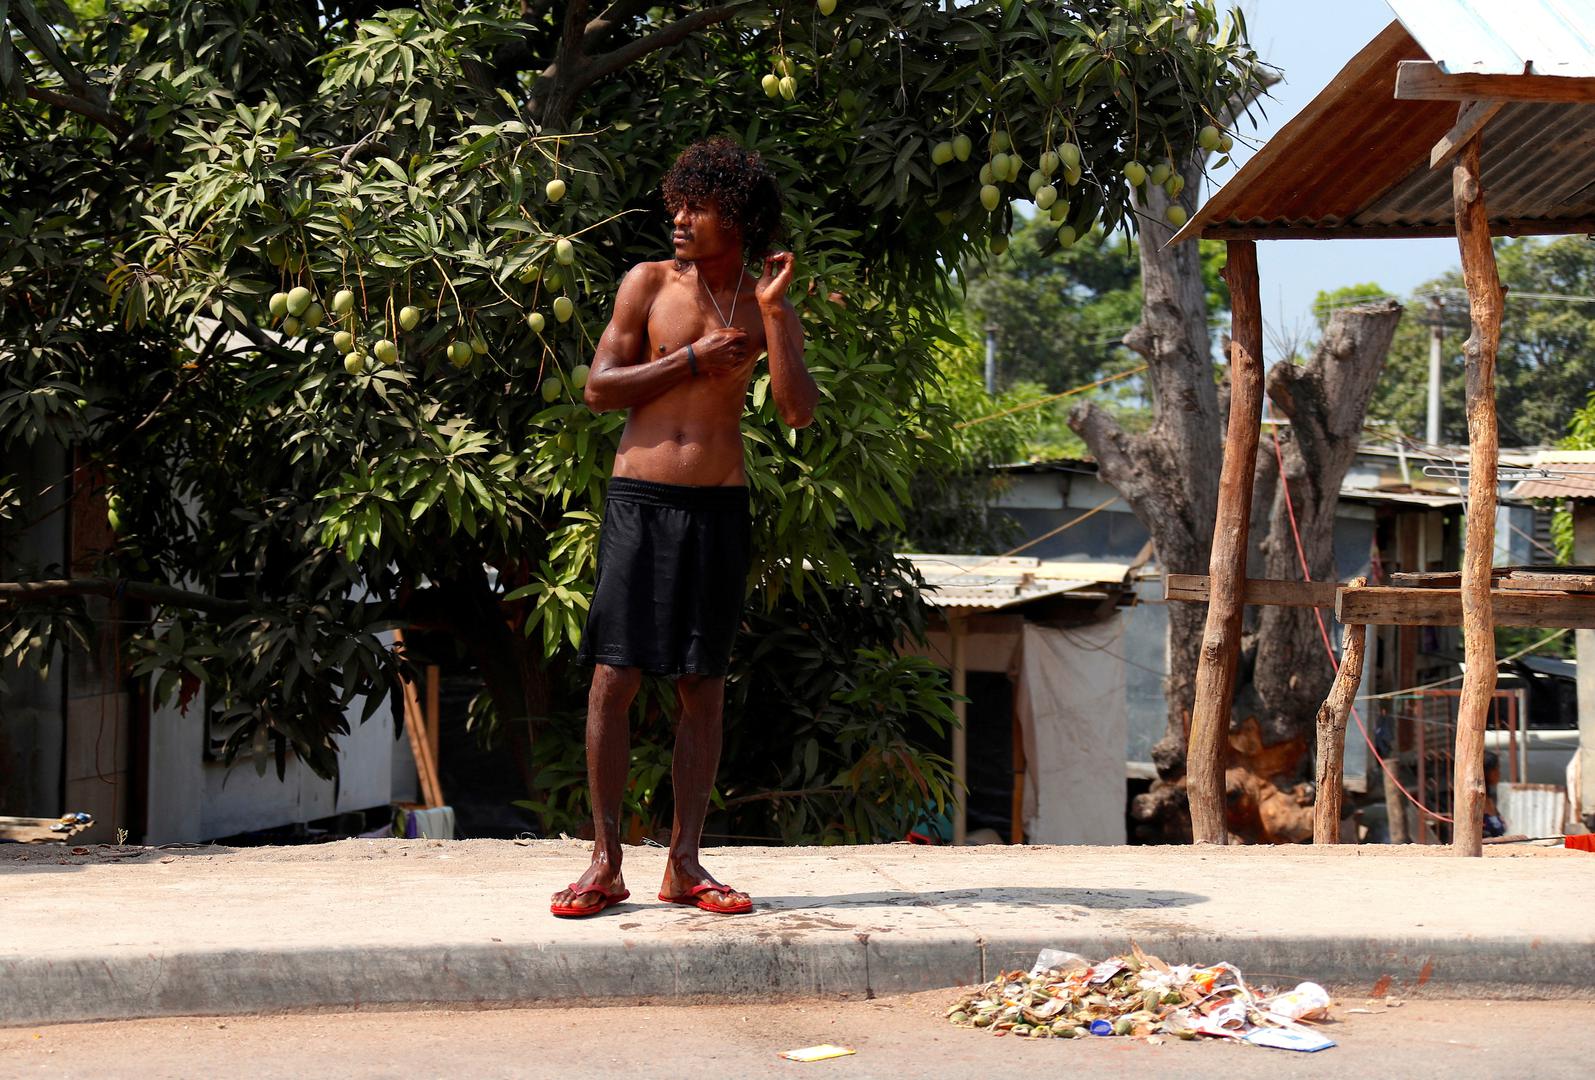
1038, 402
1329, 649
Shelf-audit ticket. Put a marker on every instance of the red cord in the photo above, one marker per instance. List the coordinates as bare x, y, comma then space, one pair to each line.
1323, 632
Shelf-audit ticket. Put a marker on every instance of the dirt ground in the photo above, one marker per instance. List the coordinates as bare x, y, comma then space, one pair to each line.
894, 1037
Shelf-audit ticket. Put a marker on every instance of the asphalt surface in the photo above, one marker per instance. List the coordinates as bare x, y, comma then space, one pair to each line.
900, 1036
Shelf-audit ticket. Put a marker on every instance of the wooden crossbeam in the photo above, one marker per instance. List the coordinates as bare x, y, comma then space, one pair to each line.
1266, 591
1470, 121
1516, 601
1395, 606
1423, 80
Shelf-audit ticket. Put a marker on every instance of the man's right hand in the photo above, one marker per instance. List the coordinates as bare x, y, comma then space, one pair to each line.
721, 351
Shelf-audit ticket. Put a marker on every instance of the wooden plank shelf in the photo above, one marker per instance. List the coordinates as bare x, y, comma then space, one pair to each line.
1514, 602
1393, 606
1574, 579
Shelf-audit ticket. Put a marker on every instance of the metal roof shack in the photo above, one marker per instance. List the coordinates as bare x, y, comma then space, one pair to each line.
970, 583
1572, 476
1356, 161
1432, 129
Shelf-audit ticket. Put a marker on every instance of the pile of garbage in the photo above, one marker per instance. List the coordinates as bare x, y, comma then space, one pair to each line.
1066, 997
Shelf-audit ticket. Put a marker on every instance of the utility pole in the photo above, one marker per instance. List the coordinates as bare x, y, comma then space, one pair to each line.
991, 359
1436, 341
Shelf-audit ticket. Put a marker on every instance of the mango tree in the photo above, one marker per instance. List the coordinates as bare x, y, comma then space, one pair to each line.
313, 290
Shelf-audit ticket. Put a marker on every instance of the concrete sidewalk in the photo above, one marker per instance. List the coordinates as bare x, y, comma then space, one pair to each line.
132, 932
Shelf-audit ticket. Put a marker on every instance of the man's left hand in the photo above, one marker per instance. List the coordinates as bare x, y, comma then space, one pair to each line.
771, 287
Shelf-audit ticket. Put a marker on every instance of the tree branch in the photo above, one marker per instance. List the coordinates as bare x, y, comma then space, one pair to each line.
166, 595
617, 15
570, 37
87, 109
38, 31
610, 62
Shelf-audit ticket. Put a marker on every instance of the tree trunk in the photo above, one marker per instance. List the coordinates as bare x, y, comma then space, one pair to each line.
1478, 625
1326, 402
1169, 477
1169, 473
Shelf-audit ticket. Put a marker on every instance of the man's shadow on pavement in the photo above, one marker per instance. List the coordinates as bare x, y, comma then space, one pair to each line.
1006, 896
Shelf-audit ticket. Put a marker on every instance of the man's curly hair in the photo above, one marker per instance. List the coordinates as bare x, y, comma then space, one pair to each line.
718, 170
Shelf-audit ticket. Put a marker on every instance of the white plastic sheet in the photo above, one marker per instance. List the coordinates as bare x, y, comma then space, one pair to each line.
1073, 708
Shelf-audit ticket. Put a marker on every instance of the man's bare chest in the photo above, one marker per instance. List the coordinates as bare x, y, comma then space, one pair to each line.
681, 315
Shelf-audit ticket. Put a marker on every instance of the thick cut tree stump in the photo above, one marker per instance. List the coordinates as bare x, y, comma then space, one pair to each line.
1332, 732
1221, 640
1478, 624
1326, 401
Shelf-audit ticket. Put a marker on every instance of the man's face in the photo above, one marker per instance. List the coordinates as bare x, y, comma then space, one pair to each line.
698, 231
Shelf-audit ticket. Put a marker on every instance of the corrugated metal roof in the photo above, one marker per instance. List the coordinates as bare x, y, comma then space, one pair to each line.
1572, 476
1355, 162
991, 582
1402, 498
1504, 37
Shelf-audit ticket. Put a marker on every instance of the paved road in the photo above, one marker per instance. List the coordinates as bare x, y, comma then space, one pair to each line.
895, 1037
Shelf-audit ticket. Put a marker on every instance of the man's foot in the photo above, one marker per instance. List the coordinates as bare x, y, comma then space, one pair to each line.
693, 886
600, 887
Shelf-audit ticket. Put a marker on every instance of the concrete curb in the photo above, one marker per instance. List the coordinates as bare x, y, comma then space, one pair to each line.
383, 924
233, 982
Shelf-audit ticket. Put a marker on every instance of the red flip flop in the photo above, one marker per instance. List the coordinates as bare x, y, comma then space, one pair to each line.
572, 911
694, 898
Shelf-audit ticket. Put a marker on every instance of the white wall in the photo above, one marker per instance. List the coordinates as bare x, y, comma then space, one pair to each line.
191, 799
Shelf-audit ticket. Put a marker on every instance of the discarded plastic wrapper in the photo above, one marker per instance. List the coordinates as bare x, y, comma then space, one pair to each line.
817, 1053
1227, 1020
1291, 1038
1065, 996
1057, 960
1309, 1001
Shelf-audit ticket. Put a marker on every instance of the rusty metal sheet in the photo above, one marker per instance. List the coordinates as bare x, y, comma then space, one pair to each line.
1355, 162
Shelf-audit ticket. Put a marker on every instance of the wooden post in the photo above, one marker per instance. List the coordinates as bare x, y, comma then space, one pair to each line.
1478, 624
1221, 639
1410, 554
434, 728
1332, 731
955, 631
415, 727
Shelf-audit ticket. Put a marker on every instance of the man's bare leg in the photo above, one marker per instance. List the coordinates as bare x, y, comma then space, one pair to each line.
692, 770
608, 755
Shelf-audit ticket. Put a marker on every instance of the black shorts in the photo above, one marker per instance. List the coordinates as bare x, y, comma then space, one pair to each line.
672, 575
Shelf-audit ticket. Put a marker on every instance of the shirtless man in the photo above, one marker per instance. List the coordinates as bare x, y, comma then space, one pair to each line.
674, 547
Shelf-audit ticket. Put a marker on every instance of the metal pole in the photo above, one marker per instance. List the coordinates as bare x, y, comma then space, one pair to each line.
1436, 335
991, 361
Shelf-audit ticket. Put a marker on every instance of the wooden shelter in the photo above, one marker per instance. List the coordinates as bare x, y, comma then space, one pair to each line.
1504, 94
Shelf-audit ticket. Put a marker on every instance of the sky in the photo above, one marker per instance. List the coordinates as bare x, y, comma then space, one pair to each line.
1310, 43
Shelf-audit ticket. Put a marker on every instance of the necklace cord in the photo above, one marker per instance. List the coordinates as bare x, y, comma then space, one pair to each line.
735, 294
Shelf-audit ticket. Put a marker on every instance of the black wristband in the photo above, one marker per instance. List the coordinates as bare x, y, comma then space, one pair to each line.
692, 359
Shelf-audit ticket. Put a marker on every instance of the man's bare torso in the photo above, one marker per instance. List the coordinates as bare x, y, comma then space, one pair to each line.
692, 433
